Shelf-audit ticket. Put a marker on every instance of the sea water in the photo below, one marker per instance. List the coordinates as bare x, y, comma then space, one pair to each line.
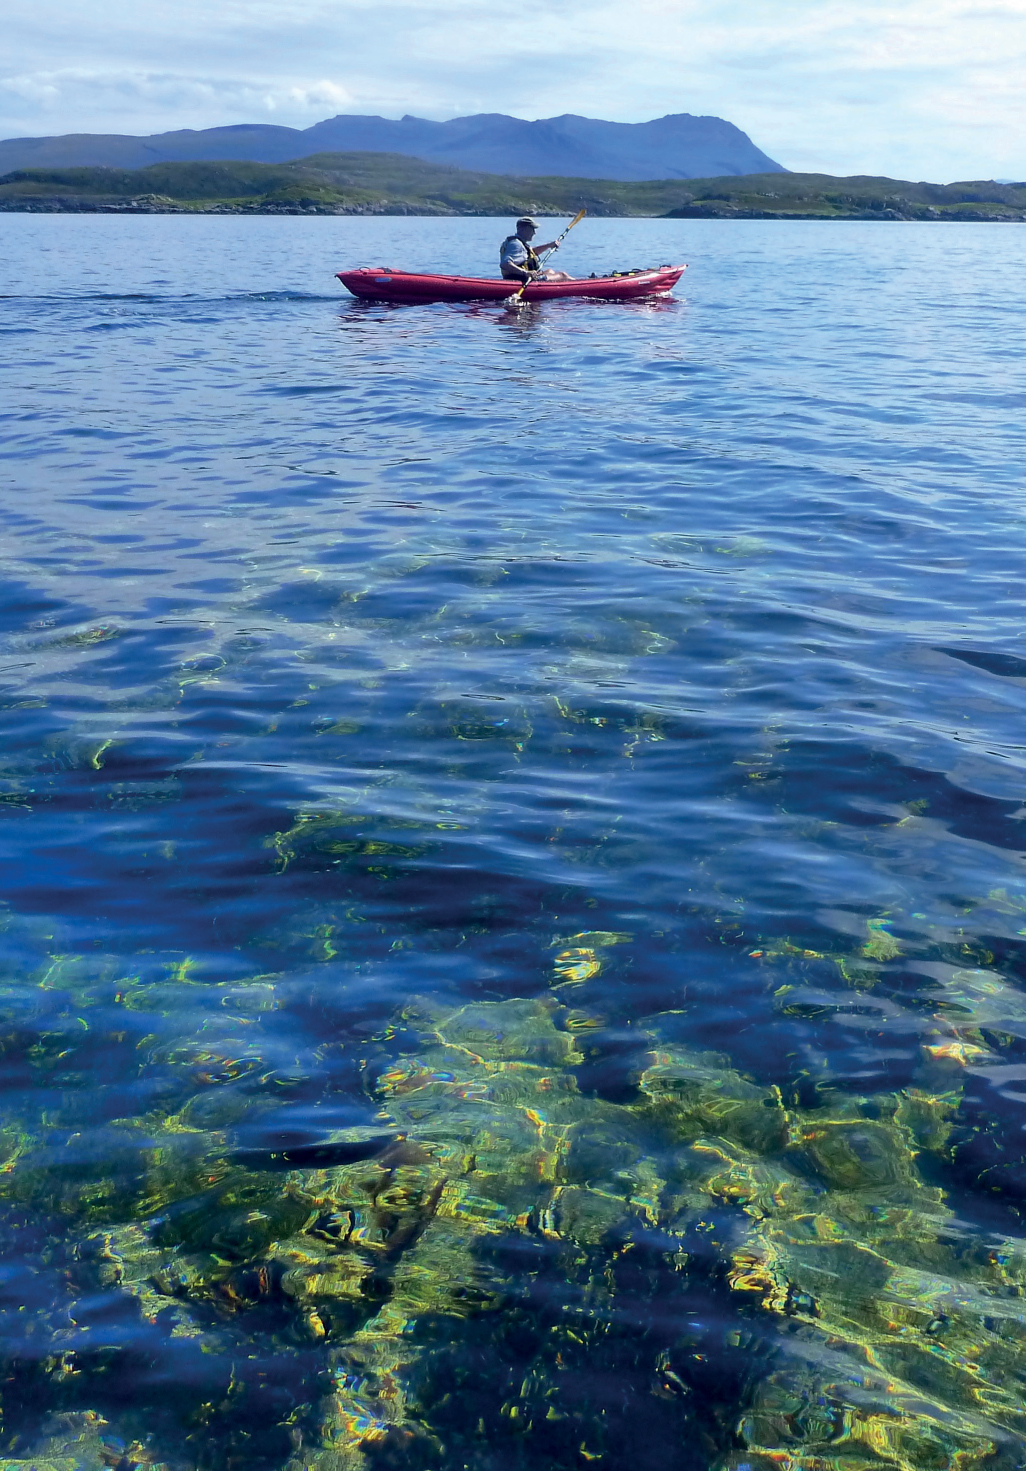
652, 674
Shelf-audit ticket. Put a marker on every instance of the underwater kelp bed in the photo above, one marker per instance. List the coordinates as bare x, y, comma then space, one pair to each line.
268, 1218
369, 1187
444, 1251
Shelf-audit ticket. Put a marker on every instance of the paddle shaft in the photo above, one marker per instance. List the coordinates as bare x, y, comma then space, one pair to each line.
578, 217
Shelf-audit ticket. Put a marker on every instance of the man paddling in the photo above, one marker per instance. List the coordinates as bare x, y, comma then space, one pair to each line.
518, 260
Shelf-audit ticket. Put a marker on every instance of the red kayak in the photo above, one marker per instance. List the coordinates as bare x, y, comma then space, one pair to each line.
377, 283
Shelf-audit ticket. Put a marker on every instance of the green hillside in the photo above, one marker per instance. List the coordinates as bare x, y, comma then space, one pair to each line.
392, 183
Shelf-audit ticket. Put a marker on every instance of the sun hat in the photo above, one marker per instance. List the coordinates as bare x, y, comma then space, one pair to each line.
527, 220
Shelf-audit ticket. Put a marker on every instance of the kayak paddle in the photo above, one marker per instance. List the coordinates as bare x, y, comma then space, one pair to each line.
518, 296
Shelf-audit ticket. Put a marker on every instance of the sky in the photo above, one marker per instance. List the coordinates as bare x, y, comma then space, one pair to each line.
915, 89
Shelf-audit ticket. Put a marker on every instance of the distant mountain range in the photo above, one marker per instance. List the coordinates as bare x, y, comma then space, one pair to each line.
678, 146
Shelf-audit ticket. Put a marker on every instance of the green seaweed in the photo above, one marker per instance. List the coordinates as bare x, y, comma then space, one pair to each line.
900, 1343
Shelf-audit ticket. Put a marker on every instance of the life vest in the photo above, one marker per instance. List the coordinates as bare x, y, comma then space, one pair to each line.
532, 263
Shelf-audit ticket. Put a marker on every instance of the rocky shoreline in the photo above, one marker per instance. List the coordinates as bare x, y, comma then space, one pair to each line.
381, 184
697, 211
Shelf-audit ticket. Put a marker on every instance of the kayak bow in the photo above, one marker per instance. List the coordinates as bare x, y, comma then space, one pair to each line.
376, 283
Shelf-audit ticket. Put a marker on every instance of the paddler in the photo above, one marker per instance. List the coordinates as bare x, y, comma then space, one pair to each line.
518, 259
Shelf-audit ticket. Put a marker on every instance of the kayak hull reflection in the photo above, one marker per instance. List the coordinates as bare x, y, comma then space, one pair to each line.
377, 284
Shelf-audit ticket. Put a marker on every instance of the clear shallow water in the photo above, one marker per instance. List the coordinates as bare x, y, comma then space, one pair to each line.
659, 664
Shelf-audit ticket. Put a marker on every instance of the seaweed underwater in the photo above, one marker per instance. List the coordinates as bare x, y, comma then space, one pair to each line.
470, 1256
484, 1264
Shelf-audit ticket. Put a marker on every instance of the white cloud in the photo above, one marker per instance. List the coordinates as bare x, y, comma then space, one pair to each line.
128, 101
320, 94
920, 88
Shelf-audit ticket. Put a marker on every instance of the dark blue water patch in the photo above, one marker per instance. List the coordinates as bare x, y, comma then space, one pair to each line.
994, 661
23, 606
300, 390
287, 296
166, 299
210, 585
112, 326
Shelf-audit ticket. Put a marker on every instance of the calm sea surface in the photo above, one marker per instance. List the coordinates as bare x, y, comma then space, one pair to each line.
512, 828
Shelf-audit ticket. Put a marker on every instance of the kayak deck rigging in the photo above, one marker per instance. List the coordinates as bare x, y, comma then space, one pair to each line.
378, 283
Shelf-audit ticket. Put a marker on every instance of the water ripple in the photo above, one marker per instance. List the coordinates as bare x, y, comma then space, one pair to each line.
660, 661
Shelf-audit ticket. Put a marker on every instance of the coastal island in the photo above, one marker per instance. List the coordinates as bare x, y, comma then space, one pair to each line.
365, 183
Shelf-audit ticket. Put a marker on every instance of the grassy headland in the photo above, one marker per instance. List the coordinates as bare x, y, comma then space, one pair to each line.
394, 184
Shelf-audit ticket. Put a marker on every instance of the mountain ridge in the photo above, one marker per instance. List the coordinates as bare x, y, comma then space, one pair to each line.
679, 145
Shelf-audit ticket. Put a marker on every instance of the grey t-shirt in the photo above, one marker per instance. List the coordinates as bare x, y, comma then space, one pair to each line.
513, 253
